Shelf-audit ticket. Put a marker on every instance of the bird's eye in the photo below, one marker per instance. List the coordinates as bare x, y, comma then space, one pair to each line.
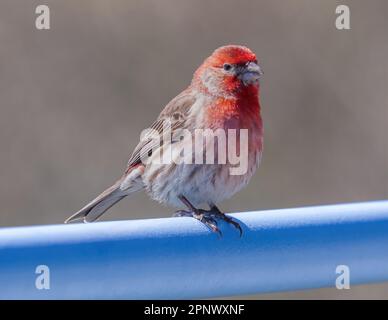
227, 66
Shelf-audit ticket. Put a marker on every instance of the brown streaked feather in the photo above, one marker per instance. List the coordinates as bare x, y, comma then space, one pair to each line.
176, 112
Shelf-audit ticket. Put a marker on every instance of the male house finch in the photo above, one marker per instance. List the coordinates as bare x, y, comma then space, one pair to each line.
224, 94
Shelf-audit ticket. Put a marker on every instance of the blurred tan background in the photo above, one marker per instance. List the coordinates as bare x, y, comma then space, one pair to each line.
74, 99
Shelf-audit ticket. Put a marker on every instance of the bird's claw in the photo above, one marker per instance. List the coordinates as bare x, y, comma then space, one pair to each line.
231, 221
206, 217
209, 218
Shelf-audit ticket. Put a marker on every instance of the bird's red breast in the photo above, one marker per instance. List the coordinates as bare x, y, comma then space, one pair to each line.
234, 105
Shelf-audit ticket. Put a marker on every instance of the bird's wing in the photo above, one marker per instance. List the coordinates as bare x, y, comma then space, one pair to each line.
176, 112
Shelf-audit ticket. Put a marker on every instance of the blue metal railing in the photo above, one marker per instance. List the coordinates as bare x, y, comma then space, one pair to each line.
178, 258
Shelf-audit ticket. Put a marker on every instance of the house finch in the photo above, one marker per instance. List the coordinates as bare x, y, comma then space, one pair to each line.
223, 94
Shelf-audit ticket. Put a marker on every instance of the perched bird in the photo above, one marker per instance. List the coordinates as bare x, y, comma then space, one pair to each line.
223, 94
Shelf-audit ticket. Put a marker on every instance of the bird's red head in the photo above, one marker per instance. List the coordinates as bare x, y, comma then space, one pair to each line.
230, 69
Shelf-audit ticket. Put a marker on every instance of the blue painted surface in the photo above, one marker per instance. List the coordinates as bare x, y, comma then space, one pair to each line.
286, 249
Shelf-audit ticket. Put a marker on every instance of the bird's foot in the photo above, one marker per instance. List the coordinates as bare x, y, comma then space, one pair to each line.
216, 213
206, 217
209, 218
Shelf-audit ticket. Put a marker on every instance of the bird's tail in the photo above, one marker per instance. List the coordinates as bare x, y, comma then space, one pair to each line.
96, 208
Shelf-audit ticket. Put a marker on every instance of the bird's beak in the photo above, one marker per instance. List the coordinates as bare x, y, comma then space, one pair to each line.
250, 73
